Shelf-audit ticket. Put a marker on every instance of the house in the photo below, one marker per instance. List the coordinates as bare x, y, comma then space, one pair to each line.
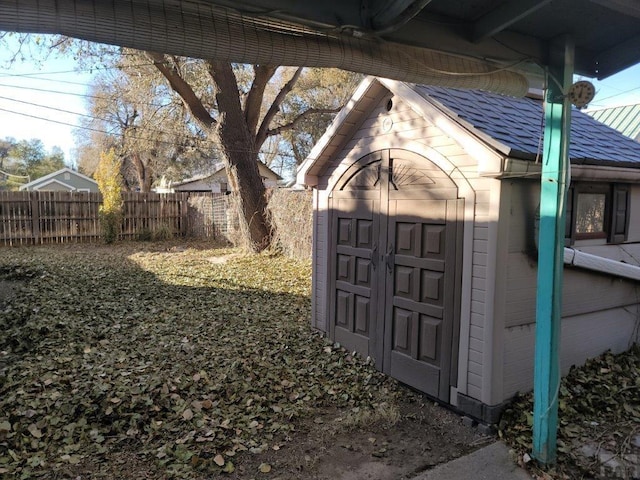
425, 232
217, 182
63, 180
624, 118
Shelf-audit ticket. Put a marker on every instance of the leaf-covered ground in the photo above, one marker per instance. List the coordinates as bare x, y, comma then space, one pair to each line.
599, 421
142, 361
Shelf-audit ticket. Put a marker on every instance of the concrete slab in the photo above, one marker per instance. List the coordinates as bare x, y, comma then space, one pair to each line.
489, 463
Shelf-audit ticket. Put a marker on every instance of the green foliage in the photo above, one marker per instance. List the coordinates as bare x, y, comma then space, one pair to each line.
187, 360
109, 181
27, 160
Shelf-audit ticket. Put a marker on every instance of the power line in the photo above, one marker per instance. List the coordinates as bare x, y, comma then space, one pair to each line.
82, 95
7, 174
59, 122
135, 137
47, 90
51, 108
38, 74
92, 117
618, 94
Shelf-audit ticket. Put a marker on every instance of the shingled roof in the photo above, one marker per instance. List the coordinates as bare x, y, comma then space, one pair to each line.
518, 124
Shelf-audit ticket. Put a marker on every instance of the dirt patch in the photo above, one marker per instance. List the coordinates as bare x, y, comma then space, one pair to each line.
329, 447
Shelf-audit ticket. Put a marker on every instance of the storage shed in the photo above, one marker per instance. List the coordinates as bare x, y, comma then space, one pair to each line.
424, 254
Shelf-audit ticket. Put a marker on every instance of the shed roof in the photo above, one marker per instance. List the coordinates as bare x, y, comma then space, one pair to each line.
510, 127
518, 125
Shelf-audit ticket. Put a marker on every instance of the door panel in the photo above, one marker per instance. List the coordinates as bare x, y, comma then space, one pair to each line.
420, 304
355, 280
394, 267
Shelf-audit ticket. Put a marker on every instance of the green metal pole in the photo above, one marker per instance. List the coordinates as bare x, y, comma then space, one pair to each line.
551, 250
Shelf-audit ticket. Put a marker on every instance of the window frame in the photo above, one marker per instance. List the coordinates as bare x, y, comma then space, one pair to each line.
616, 214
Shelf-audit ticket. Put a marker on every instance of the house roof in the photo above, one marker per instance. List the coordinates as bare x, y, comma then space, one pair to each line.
219, 167
51, 176
624, 118
517, 124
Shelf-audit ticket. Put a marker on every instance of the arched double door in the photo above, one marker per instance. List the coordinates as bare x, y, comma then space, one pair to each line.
395, 264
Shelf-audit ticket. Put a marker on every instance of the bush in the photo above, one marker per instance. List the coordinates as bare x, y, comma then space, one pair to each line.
110, 223
292, 218
110, 184
163, 232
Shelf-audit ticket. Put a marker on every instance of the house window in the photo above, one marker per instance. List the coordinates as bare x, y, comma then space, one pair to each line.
597, 211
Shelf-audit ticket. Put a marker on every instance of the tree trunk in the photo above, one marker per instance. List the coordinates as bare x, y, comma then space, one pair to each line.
142, 173
241, 158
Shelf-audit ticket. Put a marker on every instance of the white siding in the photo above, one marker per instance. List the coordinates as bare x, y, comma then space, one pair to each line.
320, 261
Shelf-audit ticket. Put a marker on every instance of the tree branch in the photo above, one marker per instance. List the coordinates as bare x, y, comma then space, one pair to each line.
263, 131
182, 88
253, 104
291, 125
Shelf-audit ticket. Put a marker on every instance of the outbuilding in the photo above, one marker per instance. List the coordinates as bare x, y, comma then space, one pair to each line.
424, 253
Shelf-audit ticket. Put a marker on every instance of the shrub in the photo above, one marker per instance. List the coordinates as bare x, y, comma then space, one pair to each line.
292, 218
110, 184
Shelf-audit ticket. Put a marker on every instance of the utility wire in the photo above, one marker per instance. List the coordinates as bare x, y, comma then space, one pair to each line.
113, 122
135, 137
24, 102
74, 94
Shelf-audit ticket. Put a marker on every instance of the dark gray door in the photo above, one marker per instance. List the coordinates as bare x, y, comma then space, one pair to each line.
354, 282
394, 285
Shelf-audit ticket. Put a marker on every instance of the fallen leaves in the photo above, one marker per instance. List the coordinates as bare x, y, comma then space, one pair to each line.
598, 403
185, 362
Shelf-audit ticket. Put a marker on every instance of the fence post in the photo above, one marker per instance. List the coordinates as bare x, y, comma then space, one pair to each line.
184, 214
35, 216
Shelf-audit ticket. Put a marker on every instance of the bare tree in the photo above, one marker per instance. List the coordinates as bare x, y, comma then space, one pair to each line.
243, 119
147, 128
237, 108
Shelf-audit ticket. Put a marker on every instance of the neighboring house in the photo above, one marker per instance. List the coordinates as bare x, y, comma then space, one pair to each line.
217, 182
424, 254
63, 180
625, 119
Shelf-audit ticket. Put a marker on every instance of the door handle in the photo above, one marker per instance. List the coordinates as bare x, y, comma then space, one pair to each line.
390, 258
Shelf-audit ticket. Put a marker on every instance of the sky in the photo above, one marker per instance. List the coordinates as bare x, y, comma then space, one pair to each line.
46, 101
42, 101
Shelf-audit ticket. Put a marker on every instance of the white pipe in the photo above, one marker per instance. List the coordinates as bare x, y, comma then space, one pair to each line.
580, 259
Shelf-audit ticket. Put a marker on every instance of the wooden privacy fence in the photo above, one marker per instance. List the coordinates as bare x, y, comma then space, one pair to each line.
72, 217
